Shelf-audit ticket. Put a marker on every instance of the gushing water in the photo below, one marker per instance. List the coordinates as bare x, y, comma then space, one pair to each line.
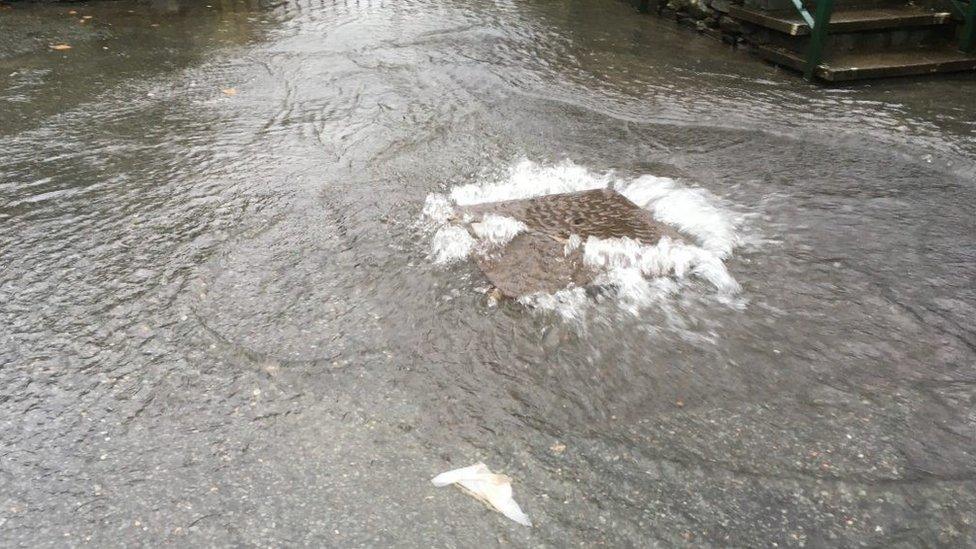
640, 275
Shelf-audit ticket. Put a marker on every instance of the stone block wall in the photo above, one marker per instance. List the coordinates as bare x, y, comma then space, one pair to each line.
706, 16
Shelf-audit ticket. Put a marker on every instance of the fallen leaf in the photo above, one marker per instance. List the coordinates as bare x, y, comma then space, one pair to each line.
60, 47
557, 448
73, 12
87, 16
229, 91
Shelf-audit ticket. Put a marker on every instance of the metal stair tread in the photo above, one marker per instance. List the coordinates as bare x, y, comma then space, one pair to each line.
844, 19
857, 65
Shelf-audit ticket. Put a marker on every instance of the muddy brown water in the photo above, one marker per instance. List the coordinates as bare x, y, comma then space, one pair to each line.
219, 323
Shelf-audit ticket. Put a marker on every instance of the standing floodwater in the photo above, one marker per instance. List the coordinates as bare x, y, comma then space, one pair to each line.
222, 321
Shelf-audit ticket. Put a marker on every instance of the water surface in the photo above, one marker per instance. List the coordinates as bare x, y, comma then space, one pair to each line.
220, 321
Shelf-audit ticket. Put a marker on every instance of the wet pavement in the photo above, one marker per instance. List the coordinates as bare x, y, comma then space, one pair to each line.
220, 323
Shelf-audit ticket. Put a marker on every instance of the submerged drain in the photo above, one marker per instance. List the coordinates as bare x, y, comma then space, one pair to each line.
547, 253
546, 235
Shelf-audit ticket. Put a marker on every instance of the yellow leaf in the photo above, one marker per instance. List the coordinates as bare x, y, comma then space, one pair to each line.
61, 47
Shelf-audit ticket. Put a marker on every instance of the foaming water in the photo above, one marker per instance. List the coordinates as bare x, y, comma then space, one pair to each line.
451, 244
497, 230
693, 211
637, 276
527, 179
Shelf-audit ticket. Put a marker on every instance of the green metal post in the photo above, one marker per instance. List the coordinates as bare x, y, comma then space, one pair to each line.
968, 42
818, 35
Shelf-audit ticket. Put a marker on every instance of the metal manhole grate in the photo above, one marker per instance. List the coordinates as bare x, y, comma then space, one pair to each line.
537, 260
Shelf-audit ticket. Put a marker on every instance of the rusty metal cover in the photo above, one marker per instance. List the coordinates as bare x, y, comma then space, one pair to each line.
537, 260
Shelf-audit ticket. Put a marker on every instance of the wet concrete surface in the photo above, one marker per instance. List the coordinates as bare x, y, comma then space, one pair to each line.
219, 324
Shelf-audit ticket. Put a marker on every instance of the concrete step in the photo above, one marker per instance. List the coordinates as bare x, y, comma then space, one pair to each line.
786, 5
867, 41
844, 19
855, 66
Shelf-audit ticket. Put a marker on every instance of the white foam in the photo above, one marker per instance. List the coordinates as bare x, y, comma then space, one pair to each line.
438, 208
451, 243
635, 292
527, 179
628, 258
572, 244
570, 303
497, 230
692, 211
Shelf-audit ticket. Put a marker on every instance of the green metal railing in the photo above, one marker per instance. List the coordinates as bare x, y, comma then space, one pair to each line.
967, 41
820, 22
818, 34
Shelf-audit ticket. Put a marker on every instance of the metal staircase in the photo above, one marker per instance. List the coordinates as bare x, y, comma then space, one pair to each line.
837, 40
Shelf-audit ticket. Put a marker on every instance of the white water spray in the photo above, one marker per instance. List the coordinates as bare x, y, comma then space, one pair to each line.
641, 274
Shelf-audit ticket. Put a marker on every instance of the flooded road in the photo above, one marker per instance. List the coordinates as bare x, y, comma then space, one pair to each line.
222, 322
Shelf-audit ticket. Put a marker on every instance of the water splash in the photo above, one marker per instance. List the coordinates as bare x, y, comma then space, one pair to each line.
497, 230
527, 179
641, 275
451, 243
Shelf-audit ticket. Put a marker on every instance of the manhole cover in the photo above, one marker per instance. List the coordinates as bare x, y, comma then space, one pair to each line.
543, 257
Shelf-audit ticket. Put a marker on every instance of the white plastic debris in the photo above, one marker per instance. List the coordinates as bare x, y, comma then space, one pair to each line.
493, 490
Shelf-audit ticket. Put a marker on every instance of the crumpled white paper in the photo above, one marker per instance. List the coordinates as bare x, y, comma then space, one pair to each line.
493, 490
